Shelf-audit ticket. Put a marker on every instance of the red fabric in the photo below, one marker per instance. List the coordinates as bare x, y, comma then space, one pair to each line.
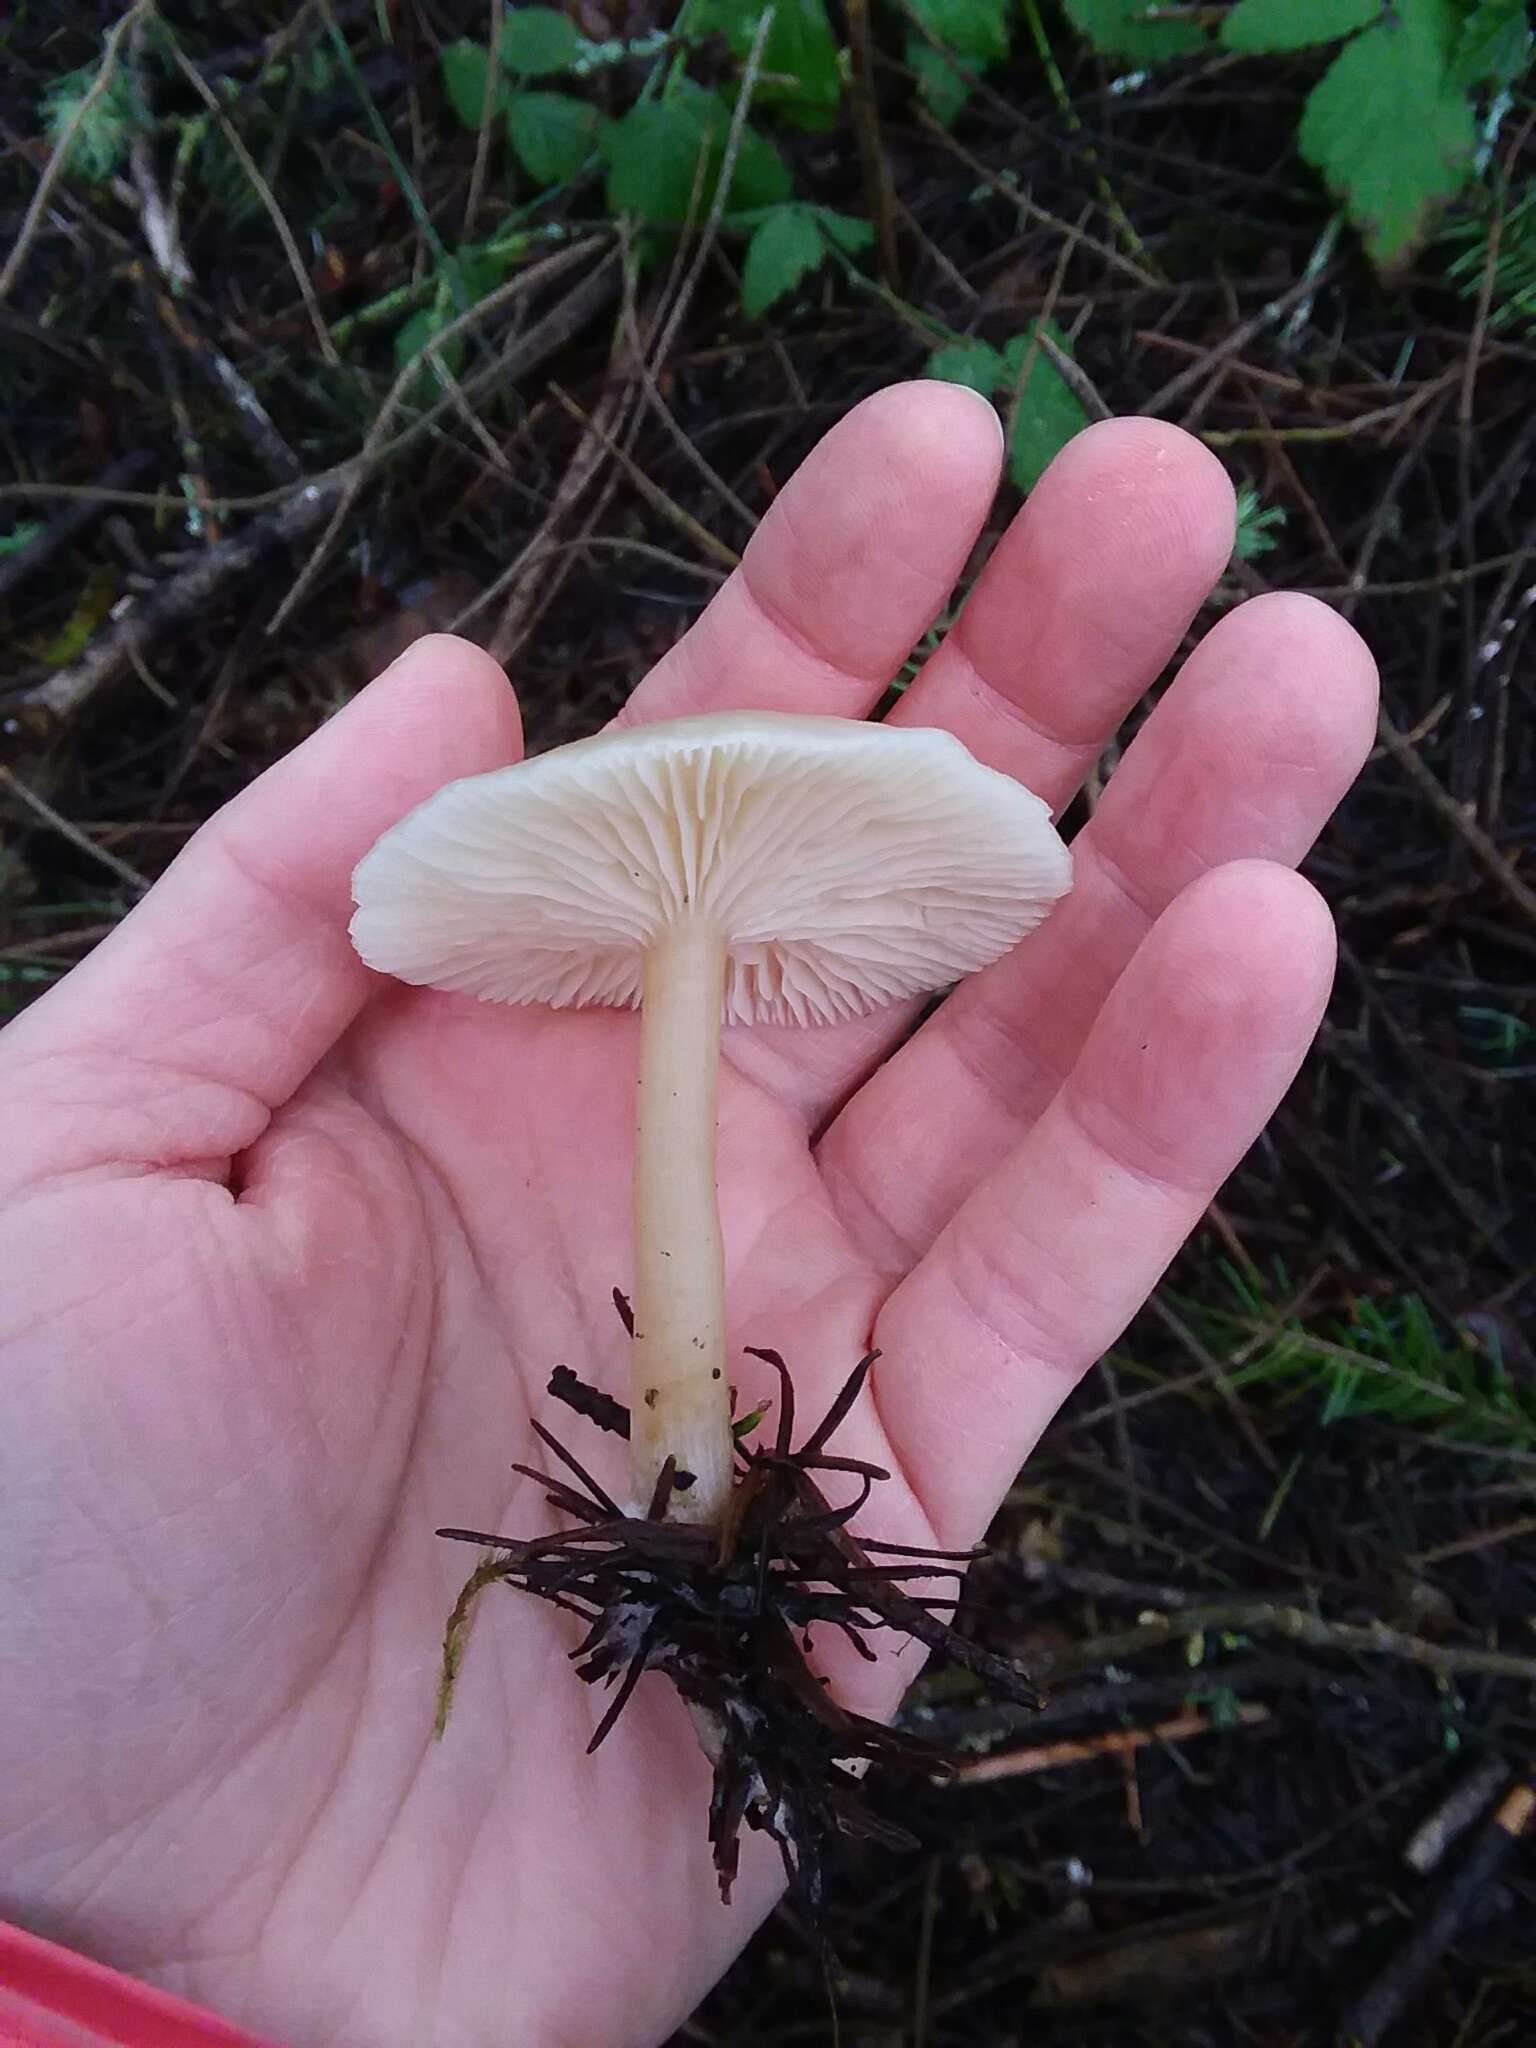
52, 1998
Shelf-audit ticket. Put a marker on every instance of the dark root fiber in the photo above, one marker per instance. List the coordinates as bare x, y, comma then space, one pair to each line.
719, 1611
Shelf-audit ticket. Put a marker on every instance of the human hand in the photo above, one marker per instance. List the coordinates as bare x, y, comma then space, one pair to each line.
290, 1253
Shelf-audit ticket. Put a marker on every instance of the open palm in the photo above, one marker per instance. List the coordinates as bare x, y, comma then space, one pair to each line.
290, 1254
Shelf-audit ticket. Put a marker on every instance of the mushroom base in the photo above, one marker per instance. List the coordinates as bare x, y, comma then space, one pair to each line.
723, 1613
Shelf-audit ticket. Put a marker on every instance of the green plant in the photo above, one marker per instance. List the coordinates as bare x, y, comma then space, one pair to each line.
664, 154
100, 145
1257, 524
1042, 410
788, 243
1389, 1359
950, 39
1512, 301
1391, 126
552, 134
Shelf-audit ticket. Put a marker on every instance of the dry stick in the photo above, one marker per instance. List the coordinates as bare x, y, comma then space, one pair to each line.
1389, 1101
1468, 1799
1230, 345
268, 199
1028, 210
688, 449
56, 822
1121, 1742
1348, 1638
194, 588
363, 465
56, 162
1216, 1374
154, 215
529, 596
879, 187
516, 580
1037, 335
1075, 377
651, 491
734, 134
1417, 586
1495, 864
488, 101
184, 596
583, 299
507, 638
1384, 2000
72, 521
1481, 845
251, 416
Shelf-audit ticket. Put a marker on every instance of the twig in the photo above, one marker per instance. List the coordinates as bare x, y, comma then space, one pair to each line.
42, 810
251, 416
1494, 863
1384, 2000
488, 100
155, 217
189, 592
1231, 344
1371, 1639
711, 229
70, 523
1029, 210
1121, 1742
688, 449
1073, 375
651, 491
879, 187
565, 319
185, 596
1467, 1800
54, 170
267, 197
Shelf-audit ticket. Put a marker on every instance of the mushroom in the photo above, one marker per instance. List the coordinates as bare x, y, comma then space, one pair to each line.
741, 867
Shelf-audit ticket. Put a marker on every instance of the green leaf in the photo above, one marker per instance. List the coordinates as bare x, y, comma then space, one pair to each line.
975, 364
787, 246
413, 336
943, 91
973, 29
1047, 412
466, 66
552, 134
799, 61
852, 235
1390, 130
654, 155
537, 42
1118, 29
20, 536
1263, 26
1494, 45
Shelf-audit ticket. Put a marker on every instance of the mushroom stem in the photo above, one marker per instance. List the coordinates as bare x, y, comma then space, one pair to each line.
681, 1402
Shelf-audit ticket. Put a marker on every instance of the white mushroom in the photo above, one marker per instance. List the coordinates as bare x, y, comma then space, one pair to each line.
745, 867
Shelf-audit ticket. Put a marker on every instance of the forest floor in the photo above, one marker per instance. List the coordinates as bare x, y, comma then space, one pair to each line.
1276, 1561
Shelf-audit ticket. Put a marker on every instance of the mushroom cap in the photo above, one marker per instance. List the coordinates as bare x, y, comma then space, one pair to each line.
846, 864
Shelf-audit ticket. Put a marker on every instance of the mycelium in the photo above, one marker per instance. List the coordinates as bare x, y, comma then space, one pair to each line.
737, 868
